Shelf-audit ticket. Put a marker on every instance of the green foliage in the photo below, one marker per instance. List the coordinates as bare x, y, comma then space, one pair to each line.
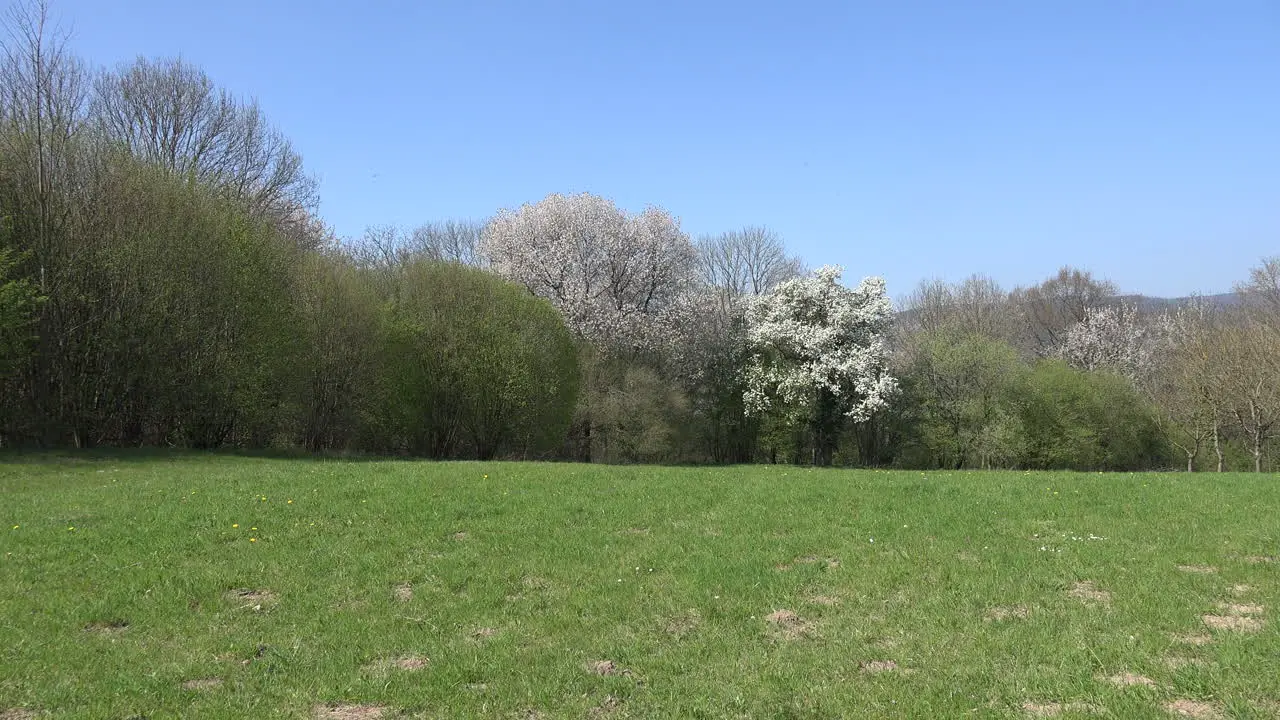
635, 413
19, 301
960, 388
472, 365
1085, 421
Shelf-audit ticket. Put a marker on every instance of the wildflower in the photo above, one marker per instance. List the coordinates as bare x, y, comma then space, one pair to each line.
71, 529
290, 502
235, 525
253, 539
15, 527
253, 528
486, 477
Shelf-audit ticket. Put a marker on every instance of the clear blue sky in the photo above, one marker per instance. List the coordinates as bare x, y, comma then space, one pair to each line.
1139, 139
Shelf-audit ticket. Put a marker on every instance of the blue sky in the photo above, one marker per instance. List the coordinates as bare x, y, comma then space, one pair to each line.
1135, 138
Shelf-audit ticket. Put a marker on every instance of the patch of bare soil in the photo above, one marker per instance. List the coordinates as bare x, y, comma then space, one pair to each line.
408, 663
1177, 662
251, 599
1258, 559
998, 613
17, 714
1196, 639
533, 582
1198, 569
605, 668
1239, 609
1233, 623
483, 633
1194, 709
879, 666
1128, 679
824, 600
460, 535
1240, 589
202, 684
530, 714
1087, 591
107, 627
348, 712
1054, 709
402, 592
791, 625
679, 626
477, 687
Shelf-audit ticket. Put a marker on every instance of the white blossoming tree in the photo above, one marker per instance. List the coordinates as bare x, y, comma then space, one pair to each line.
620, 279
819, 354
1119, 340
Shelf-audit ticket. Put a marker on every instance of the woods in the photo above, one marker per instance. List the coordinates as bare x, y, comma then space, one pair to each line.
166, 280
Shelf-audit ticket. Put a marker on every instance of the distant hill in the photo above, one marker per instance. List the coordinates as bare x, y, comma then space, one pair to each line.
1157, 304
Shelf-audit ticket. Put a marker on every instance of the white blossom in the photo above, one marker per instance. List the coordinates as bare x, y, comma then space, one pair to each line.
813, 334
1118, 339
620, 279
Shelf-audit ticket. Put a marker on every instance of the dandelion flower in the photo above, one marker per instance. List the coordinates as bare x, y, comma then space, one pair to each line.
289, 502
235, 525
253, 528
15, 527
253, 539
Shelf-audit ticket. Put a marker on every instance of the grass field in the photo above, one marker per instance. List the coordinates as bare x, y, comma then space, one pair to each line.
231, 587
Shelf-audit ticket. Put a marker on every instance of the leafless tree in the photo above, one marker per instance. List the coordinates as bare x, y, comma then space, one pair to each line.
976, 305
1051, 308
1261, 293
170, 113
750, 261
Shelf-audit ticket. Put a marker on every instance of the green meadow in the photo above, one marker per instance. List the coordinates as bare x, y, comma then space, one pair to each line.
215, 586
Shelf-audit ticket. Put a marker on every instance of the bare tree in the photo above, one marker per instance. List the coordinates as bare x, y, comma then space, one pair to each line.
1248, 364
976, 305
450, 240
750, 261
170, 113
1051, 308
1261, 293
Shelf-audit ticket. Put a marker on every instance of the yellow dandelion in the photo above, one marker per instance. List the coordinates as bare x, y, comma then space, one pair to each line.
253, 539
235, 525
15, 527
486, 477
253, 528
290, 502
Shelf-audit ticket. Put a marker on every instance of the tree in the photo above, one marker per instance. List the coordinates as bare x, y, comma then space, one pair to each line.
1260, 295
750, 261
819, 354
169, 113
621, 280
1054, 306
976, 305
1115, 338
961, 388
1249, 367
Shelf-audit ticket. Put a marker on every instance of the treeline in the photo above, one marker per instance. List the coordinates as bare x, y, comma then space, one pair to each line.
165, 281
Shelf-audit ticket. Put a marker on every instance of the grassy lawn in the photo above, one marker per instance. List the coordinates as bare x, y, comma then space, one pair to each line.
231, 587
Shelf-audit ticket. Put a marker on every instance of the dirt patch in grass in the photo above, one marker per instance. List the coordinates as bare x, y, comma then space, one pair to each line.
17, 714
1240, 589
874, 667
1087, 591
202, 684
483, 633
460, 535
408, 663
1128, 679
533, 582
679, 626
1194, 709
1233, 623
1258, 559
402, 592
250, 598
1196, 639
1054, 709
1198, 569
1240, 609
1010, 612
789, 624
605, 668
107, 627
824, 600
349, 712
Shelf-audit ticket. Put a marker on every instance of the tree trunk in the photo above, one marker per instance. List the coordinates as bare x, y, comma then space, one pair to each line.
1217, 442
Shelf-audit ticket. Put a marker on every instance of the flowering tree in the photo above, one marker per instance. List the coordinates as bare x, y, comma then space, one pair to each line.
1118, 339
620, 279
819, 354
